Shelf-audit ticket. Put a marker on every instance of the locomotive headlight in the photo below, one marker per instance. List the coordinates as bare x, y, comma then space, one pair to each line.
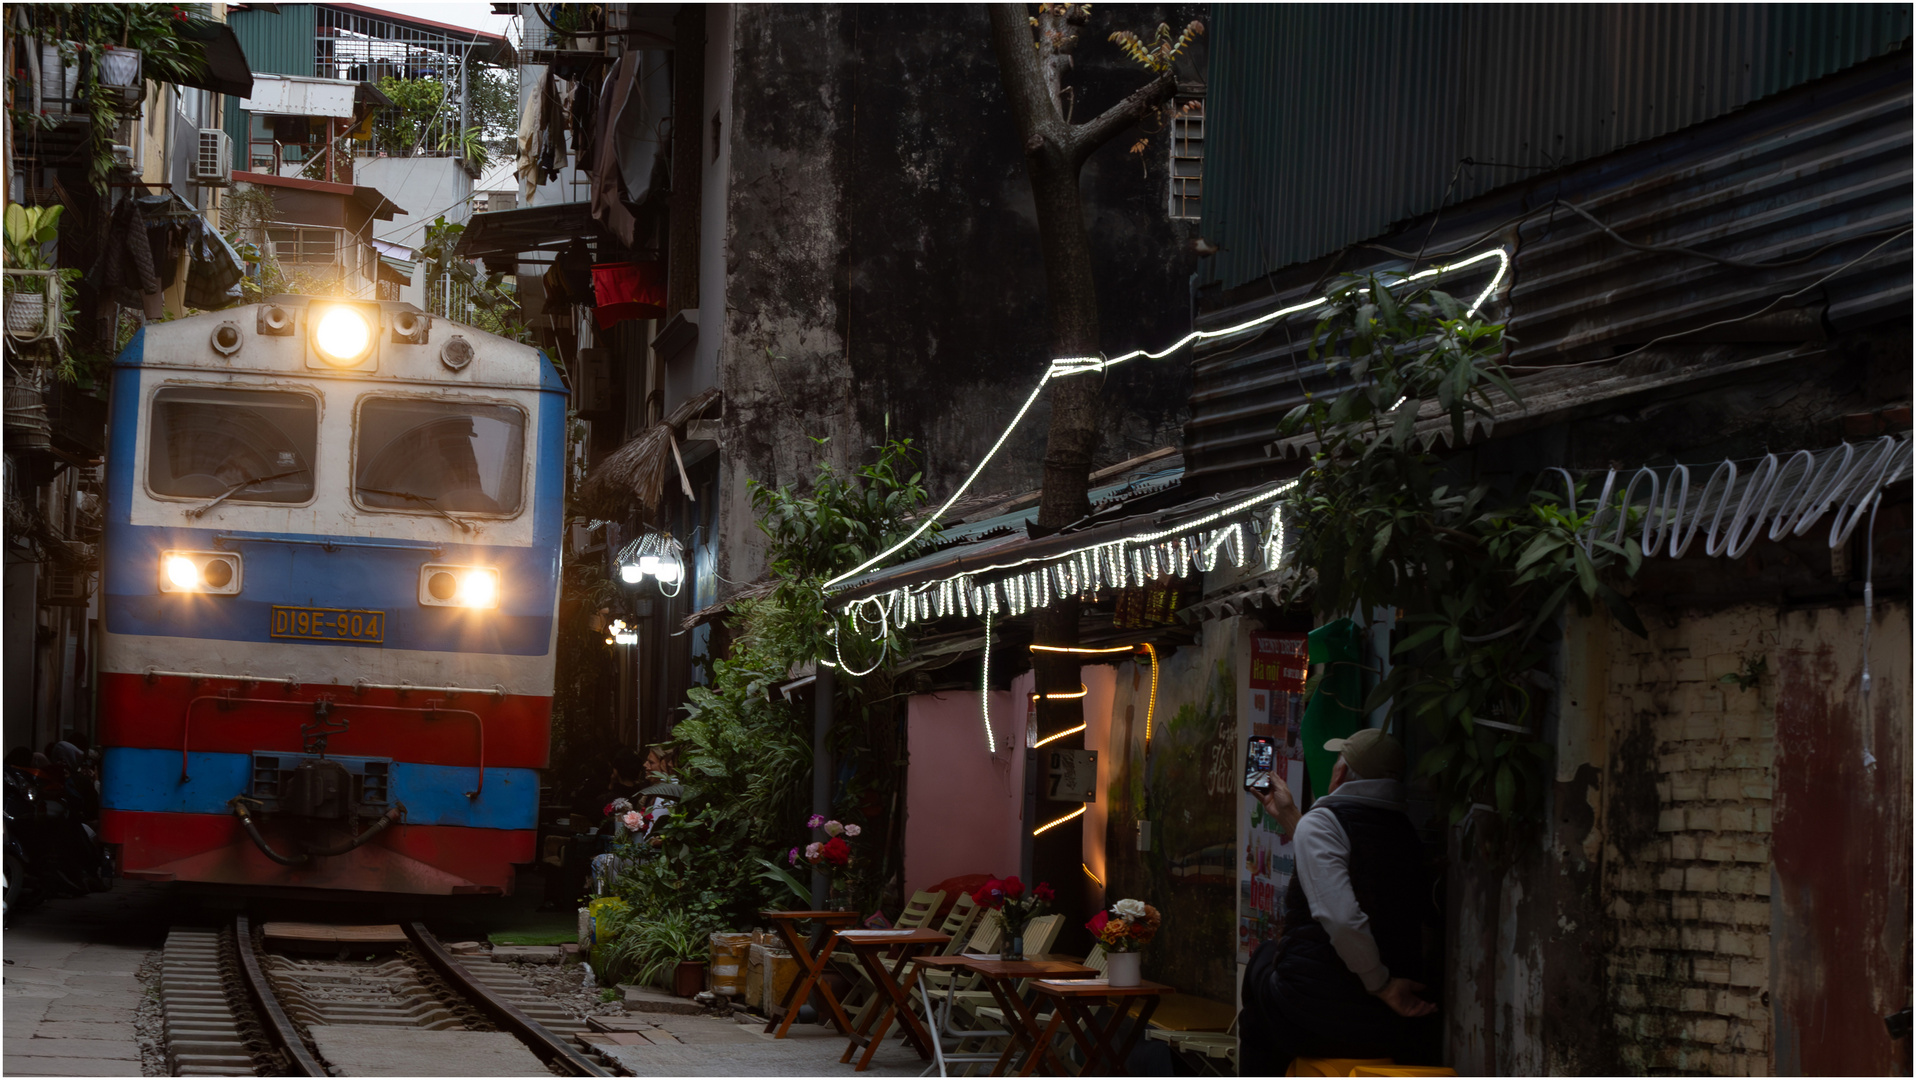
342, 336
214, 572
182, 572
479, 588
458, 586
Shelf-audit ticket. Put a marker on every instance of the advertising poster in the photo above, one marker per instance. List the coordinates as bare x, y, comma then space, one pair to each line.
1273, 693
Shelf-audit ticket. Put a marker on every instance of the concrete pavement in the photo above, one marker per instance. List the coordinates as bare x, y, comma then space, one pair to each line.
71, 989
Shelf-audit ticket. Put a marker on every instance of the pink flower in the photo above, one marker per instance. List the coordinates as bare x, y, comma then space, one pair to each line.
833, 828
811, 851
815, 821
852, 830
791, 857
631, 820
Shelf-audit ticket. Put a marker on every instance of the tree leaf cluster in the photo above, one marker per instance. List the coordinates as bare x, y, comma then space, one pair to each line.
1477, 572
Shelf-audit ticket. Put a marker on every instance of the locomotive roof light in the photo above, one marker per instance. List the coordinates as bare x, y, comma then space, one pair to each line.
213, 572
475, 587
653, 555
341, 335
226, 338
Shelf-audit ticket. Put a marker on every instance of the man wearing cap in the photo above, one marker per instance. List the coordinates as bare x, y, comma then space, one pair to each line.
1342, 981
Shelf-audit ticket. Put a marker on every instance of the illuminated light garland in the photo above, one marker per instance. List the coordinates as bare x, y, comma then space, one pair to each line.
1084, 651
1152, 708
991, 740
1057, 736
1062, 367
1091, 568
1082, 691
1088, 873
1049, 825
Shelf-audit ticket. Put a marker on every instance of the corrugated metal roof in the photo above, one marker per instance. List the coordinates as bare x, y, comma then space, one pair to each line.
1820, 174
1327, 123
277, 42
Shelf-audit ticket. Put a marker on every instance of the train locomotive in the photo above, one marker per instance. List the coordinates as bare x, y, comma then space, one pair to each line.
329, 597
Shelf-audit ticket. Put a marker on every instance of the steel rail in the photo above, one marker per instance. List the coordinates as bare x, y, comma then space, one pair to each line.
550, 1048
279, 1026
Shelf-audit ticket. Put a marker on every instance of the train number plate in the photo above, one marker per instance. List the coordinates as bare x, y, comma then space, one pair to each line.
329, 624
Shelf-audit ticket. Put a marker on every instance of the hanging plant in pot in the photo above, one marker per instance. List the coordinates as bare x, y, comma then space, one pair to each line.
1125, 930
30, 297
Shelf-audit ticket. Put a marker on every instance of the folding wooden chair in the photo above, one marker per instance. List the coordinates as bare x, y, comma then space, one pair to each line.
1205, 1048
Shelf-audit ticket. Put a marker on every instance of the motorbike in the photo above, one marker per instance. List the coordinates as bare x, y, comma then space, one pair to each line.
50, 850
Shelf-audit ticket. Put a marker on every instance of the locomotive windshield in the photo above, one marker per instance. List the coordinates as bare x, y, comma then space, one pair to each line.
437, 456
235, 445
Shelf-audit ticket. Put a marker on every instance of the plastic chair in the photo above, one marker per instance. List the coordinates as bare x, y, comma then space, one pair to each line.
1208, 1047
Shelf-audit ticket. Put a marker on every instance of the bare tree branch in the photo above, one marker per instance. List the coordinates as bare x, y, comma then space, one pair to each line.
1087, 137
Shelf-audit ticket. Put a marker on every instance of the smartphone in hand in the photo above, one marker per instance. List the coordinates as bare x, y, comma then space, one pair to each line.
1260, 758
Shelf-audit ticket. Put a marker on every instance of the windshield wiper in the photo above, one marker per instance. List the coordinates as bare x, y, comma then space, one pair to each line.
236, 488
429, 502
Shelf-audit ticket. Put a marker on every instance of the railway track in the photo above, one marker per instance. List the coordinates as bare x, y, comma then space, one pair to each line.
300, 1000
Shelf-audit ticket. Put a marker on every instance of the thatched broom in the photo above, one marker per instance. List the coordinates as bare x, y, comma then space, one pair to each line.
639, 468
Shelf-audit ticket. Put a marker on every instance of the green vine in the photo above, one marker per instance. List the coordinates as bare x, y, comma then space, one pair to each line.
1478, 572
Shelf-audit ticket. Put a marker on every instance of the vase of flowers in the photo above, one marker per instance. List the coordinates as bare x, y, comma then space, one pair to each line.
830, 855
1125, 929
1014, 910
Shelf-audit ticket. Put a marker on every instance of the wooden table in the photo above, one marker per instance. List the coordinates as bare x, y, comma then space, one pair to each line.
870, 946
811, 968
1074, 999
1001, 978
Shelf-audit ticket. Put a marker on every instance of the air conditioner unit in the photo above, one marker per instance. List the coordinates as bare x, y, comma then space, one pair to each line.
213, 164
66, 587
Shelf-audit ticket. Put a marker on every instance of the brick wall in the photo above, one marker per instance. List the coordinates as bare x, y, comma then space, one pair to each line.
1687, 881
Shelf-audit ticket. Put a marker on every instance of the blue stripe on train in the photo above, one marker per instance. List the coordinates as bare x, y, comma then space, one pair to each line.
379, 579
149, 780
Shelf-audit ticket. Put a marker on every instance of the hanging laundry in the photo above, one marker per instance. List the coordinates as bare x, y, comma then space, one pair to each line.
527, 139
124, 269
213, 270
608, 195
630, 290
552, 155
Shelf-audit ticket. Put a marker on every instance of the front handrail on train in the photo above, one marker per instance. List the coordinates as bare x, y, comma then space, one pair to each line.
360, 686
497, 690
431, 710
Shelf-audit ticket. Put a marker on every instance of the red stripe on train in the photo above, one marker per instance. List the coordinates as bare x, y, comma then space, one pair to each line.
430, 859
227, 716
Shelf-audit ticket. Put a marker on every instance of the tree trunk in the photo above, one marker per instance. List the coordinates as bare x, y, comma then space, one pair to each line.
1055, 152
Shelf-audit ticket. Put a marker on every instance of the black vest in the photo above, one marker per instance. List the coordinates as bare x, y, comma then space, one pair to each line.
1388, 875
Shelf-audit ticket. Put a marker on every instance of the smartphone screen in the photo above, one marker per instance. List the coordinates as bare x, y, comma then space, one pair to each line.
1260, 757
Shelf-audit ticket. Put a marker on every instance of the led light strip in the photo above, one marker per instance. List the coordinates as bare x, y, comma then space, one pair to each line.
1049, 825
1088, 873
1152, 708
1081, 572
1082, 691
991, 740
1078, 365
1056, 737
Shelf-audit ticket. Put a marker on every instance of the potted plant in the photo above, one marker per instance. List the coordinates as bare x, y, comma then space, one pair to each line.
31, 296
1014, 910
1125, 929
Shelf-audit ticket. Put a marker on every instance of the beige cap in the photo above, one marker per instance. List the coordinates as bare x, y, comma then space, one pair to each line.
1371, 754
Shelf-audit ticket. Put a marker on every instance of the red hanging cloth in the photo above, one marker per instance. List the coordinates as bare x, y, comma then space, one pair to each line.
628, 290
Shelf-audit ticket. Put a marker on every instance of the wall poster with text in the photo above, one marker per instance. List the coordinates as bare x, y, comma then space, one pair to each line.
1273, 697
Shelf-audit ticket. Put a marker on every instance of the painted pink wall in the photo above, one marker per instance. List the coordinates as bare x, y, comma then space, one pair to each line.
966, 802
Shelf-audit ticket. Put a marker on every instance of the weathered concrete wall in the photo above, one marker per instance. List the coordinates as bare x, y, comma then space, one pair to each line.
881, 264
1722, 887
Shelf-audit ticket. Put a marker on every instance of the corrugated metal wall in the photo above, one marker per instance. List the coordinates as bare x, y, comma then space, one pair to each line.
1818, 175
275, 43
1326, 123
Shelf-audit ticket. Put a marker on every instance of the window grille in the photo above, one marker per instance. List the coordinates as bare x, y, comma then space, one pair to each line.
297, 245
1187, 162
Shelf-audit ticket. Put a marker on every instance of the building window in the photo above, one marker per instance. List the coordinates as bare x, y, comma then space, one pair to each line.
1187, 161
302, 246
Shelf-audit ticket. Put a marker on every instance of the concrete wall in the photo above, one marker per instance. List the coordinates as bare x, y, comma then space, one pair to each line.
870, 260
425, 187
1722, 887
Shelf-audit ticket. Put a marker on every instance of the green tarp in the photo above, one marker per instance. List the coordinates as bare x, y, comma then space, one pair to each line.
1335, 711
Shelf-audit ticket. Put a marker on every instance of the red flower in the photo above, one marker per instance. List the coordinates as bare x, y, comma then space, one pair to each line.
1096, 925
1014, 888
1045, 892
607, 811
991, 894
836, 851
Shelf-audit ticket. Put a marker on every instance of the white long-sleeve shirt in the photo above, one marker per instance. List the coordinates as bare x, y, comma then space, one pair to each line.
1323, 851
